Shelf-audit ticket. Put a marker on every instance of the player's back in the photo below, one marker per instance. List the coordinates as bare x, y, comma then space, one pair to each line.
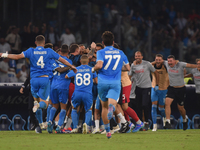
40, 59
113, 60
84, 79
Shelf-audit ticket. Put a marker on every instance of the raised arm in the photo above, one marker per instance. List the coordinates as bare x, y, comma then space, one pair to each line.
93, 46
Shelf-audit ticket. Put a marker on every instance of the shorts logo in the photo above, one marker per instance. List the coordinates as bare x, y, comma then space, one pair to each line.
123, 97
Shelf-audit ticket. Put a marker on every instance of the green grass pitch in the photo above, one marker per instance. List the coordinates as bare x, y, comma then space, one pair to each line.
146, 140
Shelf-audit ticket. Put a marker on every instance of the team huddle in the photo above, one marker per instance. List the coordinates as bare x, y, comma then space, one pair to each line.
99, 84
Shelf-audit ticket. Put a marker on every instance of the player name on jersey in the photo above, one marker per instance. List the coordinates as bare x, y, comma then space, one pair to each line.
40, 52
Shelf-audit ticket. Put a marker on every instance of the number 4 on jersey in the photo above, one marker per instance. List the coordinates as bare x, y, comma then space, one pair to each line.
40, 62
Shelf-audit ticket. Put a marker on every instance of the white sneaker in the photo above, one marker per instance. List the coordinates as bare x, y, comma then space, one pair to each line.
104, 132
116, 129
112, 131
164, 121
42, 126
95, 131
74, 131
154, 127
85, 128
101, 128
36, 106
45, 125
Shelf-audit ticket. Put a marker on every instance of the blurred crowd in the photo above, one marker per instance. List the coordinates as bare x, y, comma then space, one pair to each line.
164, 26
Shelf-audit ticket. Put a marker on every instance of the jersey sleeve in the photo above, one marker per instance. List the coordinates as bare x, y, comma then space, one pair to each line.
54, 55
71, 74
54, 65
125, 59
151, 68
131, 72
165, 62
183, 64
94, 75
27, 53
99, 56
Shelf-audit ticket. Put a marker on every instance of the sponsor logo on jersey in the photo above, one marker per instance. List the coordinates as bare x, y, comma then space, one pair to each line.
139, 71
173, 71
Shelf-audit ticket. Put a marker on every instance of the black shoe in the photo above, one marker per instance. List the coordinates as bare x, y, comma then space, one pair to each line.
185, 125
124, 128
141, 129
168, 125
33, 126
146, 126
38, 129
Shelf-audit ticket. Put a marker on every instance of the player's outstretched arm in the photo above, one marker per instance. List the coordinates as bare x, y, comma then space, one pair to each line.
67, 63
61, 70
191, 66
188, 75
12, 56
126, 67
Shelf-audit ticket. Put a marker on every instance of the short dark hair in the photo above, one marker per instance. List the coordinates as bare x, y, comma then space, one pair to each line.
48, 45
139, 52
73, 48
159, 55
171, 56
107, 38
99, 45
64, 48
40, 38
116, 46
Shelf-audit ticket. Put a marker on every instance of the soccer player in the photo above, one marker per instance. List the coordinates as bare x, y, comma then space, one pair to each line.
142, 69
82, 93
176, 89
126, 90
59, 90
196, 74
159, 92
110, 64
39, 58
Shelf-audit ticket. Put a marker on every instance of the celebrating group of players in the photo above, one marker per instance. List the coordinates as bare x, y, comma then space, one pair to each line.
64, 75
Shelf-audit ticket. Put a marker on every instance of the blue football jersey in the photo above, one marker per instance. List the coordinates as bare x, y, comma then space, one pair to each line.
113, 60
40, 58
59, 81
83, 79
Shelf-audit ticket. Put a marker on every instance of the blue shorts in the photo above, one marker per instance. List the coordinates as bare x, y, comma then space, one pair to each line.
106, 91
94, 91
40, 87
59, 96
82, 97
159, 96
98, 104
